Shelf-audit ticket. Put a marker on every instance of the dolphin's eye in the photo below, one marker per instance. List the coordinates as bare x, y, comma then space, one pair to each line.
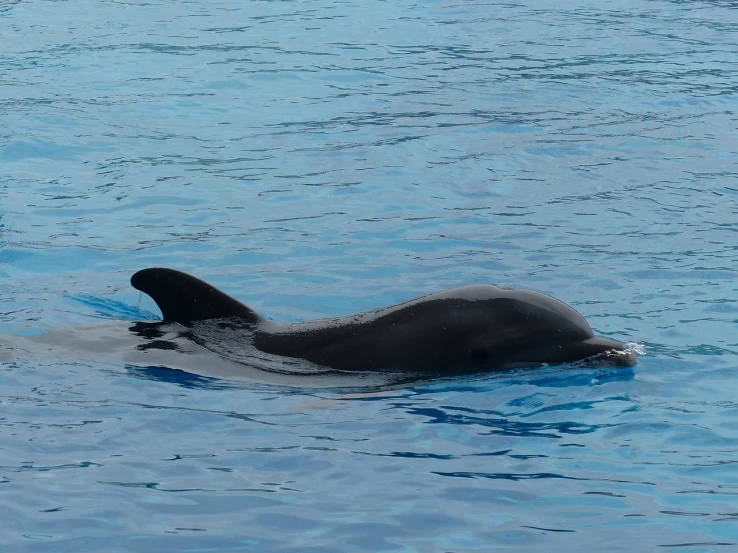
480, 355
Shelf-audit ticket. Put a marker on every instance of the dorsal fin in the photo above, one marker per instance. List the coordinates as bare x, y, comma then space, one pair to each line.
184, 299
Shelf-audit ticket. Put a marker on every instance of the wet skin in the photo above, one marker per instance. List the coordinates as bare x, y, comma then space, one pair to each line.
478, 328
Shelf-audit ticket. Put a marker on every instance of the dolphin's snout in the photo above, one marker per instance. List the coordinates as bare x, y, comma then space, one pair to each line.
625, 358
610, 352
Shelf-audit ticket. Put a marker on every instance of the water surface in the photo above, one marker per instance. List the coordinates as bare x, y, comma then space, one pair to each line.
320, 158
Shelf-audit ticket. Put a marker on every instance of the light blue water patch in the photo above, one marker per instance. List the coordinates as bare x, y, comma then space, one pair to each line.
318, 159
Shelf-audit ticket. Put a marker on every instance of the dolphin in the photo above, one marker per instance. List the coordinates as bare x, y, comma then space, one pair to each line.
472, 329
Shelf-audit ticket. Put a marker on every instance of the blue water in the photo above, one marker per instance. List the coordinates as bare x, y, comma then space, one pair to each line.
320, 158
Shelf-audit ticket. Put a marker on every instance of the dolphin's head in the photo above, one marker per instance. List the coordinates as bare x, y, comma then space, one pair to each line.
509, 328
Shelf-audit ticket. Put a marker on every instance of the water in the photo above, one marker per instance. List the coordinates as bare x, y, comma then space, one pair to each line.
320, 158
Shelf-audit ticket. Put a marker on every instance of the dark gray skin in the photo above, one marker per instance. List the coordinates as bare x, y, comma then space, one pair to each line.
479, 328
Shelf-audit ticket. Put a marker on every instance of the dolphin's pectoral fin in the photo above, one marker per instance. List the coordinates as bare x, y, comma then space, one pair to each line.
184, 299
